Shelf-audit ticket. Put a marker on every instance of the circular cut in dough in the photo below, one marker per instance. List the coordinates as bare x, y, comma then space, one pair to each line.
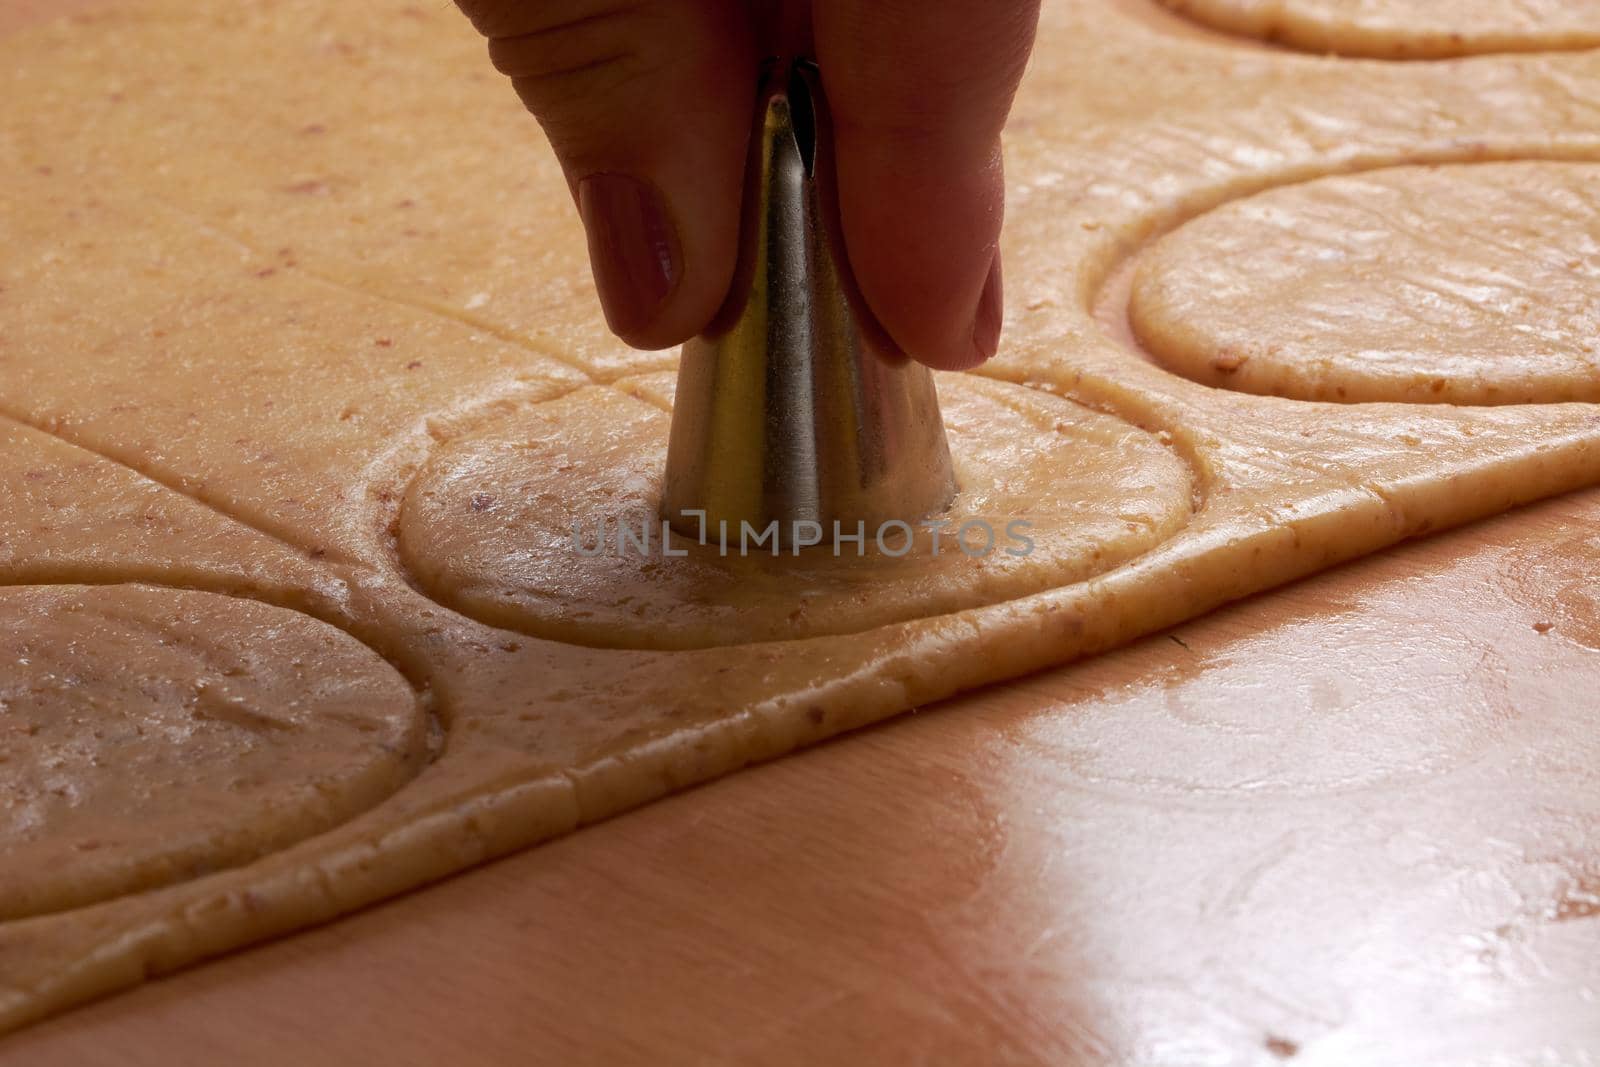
488, 528
1462, 284
1405, 29
149, 736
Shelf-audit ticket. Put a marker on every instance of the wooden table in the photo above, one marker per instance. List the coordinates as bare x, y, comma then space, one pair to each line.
1352, 821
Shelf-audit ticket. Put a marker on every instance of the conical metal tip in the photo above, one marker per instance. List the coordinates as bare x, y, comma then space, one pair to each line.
794, 405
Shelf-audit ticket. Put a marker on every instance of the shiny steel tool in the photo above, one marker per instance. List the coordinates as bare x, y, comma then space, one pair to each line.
795, 405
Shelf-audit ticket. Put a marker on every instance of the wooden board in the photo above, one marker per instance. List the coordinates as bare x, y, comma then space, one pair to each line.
1383, 856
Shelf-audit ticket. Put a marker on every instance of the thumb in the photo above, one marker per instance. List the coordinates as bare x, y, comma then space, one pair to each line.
919, 91
648, 109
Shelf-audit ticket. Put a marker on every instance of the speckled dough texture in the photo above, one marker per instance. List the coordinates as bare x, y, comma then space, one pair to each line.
301, 375
154, 735
1455, 284
501, 523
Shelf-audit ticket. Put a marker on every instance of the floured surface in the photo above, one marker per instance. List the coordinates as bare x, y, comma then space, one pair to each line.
270, 307
1406, 29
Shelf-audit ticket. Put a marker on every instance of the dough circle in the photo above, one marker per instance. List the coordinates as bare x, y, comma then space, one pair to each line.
488, 526
1405, 29
1462, 284
148, 736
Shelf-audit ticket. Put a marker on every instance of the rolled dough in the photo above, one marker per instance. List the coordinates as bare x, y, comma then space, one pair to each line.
153, 736
1455, 284
286, 286
1406, 29
1051, 494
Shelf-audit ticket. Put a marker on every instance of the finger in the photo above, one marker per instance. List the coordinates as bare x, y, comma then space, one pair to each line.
647, 105
919, 91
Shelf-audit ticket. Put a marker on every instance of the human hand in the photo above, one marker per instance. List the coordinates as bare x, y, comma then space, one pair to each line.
648, 105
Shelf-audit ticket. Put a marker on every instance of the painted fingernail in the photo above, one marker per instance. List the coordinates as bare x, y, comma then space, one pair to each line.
991, 310
632, 248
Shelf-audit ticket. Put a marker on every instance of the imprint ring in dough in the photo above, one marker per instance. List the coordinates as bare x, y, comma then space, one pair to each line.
148, 736
488, 528
1461, 284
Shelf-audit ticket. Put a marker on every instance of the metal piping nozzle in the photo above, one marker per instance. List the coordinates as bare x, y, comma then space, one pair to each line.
794, 405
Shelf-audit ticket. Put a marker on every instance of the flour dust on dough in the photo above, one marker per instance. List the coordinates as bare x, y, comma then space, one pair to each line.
1050, 493
153, 736
1467, 284
1406, 29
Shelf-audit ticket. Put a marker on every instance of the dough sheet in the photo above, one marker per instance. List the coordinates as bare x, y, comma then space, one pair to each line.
1456, 284
1405, 29
301, 381
502, 523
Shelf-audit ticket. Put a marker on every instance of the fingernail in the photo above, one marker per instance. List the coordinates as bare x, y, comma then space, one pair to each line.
991, 310
632, 248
